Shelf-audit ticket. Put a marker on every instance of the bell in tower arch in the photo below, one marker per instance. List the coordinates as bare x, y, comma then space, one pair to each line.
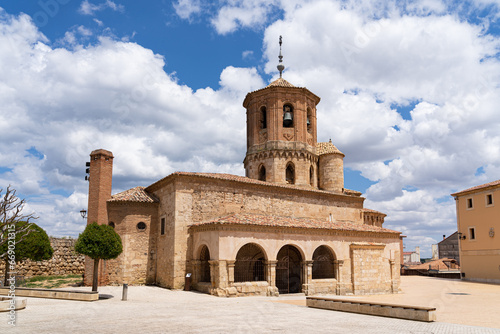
287, 116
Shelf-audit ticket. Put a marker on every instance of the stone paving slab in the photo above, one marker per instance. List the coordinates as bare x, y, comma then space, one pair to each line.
157, 310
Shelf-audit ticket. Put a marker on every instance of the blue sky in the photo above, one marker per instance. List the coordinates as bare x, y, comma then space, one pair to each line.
409, 93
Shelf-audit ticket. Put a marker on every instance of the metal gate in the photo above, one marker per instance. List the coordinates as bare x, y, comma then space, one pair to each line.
288, 270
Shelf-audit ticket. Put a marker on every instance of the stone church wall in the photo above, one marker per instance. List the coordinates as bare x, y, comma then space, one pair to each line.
65, 261
202, 199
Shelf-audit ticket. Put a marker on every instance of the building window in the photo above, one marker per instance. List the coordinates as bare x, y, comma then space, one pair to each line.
309, 116
111, 224
287, 116
141, 226
162, 226
489, 199
469, 203
311, 176
290, 174
472, 233
263, 118
262, 173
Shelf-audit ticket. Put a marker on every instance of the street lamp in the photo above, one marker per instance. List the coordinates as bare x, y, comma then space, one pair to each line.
83, 212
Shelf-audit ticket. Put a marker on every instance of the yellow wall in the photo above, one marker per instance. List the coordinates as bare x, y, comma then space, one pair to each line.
480, 258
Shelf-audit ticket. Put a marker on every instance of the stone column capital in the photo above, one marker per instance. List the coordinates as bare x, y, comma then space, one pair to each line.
230, 263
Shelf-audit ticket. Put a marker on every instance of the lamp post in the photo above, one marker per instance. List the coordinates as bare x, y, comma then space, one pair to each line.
83, 212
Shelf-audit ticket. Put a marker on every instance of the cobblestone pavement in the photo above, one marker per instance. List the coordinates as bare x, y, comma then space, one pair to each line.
157, 310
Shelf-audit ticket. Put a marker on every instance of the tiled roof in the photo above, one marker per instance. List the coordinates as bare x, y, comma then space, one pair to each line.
327, 148
231, 177
439, 264
280, 83
277, 221
486, 185
374, 211
137, 194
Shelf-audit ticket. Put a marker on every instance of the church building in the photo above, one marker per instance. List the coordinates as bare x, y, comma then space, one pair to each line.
288, 226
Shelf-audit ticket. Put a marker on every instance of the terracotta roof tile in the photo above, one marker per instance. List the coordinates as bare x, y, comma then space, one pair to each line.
280, 82
486, 185
137, 194
439, 264
327, 148
277, 221
374, 211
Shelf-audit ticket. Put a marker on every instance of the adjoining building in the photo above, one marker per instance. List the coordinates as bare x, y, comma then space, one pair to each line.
288, 226
412, 257
448, 248
478, 212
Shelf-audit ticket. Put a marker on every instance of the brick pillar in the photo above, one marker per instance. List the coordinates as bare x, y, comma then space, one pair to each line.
100, 179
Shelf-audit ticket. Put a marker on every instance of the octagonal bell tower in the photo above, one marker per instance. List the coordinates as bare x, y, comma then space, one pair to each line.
281, 133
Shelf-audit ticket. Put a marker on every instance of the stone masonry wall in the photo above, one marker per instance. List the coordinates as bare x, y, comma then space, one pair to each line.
65, 261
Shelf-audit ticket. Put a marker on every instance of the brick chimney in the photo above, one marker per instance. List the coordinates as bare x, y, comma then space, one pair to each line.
100, 179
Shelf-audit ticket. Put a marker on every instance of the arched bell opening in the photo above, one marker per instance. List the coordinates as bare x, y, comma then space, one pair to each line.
288, 116
263, 118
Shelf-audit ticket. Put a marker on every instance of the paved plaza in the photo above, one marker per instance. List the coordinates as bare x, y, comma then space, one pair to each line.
157, 310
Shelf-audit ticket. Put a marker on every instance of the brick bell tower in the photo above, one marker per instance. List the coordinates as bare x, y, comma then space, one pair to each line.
100, 179
281, 133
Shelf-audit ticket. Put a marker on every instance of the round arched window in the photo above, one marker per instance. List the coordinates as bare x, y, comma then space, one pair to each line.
111, 224
141, 226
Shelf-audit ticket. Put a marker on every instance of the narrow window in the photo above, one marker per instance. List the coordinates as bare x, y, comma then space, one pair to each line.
262, 173
469, 203
472, 233
489, 199
311, 176
263, 118
162, 226
290, 174
309, 127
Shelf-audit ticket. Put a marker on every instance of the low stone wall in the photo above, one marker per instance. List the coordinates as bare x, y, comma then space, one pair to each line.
380, 309
65, 261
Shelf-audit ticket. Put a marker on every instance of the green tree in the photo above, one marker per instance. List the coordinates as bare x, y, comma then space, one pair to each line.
25, 243
99, 242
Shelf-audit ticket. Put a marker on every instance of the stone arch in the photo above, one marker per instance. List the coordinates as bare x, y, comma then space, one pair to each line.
250, 263
289, 269
262, 173
290, 173
323, 263
204, 257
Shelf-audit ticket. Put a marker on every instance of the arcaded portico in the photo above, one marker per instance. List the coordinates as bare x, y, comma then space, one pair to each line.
264, 255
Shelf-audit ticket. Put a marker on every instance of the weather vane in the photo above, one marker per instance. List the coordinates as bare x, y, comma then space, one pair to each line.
281, 67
